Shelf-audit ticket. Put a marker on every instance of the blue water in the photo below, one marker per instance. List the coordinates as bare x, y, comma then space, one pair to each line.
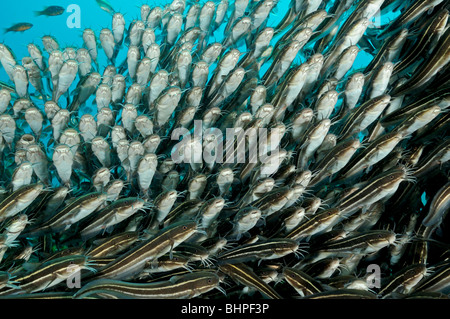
92, 16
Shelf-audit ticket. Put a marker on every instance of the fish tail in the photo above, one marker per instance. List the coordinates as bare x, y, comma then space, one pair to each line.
38, 13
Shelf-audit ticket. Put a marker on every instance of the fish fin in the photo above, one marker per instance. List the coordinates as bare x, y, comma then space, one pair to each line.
154, 264
58, 276
262, 238
364, 209
173, 279
50, 141
171, 252
13, 286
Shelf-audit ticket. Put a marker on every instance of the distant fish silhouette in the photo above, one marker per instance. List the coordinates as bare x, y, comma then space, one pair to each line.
19, 27
50, 11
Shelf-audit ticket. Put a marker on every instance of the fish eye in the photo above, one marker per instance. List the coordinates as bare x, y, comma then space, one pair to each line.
184, 227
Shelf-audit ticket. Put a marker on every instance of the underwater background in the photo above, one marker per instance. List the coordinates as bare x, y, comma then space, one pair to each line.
89, 14
92, 16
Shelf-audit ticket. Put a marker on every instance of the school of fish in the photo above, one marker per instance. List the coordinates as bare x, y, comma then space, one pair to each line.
93, 203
